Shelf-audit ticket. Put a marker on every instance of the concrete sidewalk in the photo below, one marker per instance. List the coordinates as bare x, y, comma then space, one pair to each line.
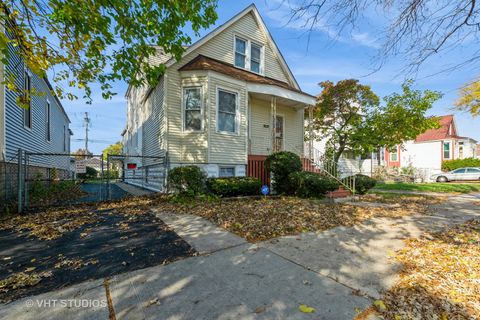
337, 272
133, 190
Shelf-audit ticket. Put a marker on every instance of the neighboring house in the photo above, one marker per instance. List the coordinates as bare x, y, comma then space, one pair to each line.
432, 147
478, 151
426, 153
231, 100
41, 128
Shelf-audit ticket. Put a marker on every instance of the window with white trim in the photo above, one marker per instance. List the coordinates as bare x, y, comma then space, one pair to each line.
225, 172
192, 106
240, 52
248, 55
227, 111
446, 150
27, 111
394, 155
255, 58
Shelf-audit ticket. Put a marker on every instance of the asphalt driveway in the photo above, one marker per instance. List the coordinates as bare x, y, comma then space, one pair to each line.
111, 245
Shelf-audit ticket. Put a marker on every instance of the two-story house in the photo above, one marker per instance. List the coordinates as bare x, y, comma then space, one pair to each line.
41, 127
231, 99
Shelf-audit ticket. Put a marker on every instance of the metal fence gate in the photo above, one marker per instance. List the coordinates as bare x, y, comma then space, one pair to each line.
34, 180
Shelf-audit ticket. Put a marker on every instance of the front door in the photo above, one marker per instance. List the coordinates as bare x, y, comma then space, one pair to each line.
279, 133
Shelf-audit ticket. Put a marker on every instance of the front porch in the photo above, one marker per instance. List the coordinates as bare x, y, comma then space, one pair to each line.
275, 123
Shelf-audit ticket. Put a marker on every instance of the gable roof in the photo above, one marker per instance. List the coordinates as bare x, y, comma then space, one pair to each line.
250, 9
443, 132
202, 62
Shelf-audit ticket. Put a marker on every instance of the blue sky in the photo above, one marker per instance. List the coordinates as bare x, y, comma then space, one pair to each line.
313, 57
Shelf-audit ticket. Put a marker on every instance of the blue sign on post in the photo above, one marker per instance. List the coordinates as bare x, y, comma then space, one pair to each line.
265, 190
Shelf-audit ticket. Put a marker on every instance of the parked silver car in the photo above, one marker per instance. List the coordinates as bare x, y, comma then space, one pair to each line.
460, 174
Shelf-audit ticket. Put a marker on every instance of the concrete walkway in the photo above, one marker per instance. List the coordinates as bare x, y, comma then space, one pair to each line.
201, 234
336, 272
133, 190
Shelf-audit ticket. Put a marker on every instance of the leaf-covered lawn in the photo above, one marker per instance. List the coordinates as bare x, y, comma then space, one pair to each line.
431, 187
263, 219
440, 278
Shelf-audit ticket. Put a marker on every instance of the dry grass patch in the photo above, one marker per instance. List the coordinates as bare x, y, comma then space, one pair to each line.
440, 278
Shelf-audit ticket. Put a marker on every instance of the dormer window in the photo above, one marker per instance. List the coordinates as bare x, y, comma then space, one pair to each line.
248, 55
256, 58
240, 52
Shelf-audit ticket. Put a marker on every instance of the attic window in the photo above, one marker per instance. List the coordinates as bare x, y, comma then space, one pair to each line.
248, 55
240, 52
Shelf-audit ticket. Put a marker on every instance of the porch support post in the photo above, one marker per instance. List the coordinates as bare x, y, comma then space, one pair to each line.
310, 132
273, 107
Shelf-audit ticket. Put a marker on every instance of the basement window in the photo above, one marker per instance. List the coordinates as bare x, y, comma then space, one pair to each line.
226, 172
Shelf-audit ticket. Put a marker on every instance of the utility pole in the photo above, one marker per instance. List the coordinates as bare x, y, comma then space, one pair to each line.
86, 123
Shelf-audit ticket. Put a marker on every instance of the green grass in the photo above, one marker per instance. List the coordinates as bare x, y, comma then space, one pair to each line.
430, 187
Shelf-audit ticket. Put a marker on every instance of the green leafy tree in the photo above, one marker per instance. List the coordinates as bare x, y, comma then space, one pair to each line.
98, 41
351, 117
401, 118
469, 99
339, 114
113, 149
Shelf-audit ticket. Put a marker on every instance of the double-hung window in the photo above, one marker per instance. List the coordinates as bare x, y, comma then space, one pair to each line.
192, 105
227, 111
446, 150
248, 55
255, 58
27, 111
240, 53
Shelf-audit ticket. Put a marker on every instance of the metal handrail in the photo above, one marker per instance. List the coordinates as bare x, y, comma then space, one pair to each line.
330, 168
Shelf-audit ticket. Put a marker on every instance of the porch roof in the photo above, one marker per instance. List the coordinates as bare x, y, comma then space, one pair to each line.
257, 83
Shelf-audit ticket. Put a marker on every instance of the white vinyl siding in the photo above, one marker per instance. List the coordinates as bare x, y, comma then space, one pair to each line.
222, 47
261, 128
227, 149
227, 110
209, 146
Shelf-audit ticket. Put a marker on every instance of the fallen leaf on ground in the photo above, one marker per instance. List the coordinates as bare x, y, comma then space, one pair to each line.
306, 309
440, 278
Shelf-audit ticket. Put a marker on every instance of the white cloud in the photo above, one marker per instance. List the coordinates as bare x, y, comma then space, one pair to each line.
280, 13
365, 39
